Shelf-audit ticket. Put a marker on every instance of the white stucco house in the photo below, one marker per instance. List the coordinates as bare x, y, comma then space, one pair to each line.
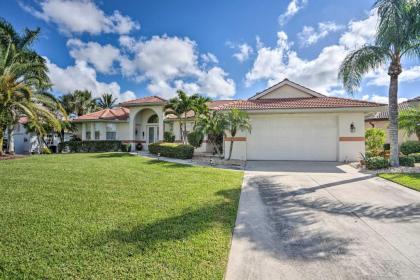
289, 122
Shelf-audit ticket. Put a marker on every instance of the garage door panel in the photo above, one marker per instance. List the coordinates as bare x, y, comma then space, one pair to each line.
275, 137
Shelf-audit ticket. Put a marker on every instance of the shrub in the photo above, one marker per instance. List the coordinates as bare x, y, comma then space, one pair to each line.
195, 138
168, 137
139, 146
375, 139
376, 163
410, 147
387, 147
125, 147
416, 157
172, 150
407, 161
93, 146
46, 151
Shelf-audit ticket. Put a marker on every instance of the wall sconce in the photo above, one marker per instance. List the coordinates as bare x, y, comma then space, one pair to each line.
136, 131
142, 134
352, 128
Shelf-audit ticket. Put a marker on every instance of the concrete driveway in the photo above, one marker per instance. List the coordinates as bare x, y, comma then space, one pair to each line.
317, 220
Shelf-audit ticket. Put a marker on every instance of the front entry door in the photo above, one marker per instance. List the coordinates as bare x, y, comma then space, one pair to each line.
152, 134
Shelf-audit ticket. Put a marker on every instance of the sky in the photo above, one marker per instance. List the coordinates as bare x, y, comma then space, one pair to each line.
221, 49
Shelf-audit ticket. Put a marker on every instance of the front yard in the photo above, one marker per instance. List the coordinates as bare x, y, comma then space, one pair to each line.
409, 180
114, 216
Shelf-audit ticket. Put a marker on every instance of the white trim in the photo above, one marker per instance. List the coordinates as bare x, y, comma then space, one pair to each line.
289, 83
314, 110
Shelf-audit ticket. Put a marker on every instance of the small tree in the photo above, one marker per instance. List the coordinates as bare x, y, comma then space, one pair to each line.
374, 140
409, 120
214, 125
237, 120
107, 101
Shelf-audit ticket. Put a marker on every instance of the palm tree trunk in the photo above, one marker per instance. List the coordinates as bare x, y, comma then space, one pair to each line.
180, 131
11, 140
230, 149
1, 142
393, 120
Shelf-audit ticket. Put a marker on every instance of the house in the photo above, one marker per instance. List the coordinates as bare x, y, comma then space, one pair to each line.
289, 122
381, 120
26, 142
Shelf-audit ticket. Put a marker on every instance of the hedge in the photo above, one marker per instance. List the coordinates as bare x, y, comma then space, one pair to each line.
407, 161
410, 147
416, 156
94, 146
172, 150
376, 163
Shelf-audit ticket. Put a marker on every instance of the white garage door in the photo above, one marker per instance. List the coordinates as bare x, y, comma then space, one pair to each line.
277, 137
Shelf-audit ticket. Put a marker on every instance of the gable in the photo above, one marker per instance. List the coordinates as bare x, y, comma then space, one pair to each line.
286, 89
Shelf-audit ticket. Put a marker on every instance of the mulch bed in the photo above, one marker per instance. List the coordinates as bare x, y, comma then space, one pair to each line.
8, 157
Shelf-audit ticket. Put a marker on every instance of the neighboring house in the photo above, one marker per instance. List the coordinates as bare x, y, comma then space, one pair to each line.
289, 122
27, 142
381, 120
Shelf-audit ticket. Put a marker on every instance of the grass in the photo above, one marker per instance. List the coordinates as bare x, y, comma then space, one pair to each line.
114, 216
409, 180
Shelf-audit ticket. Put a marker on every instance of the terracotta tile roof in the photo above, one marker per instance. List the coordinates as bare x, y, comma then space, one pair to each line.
119, 113
402, 106
297, 103
212, 104
144, 100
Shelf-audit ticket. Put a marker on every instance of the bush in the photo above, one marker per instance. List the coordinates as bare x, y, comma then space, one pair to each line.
125, 147
93, 146
407, 161
410, 147
376, 163
168, 137
416, 157
387, 147
195, 138
46, 151
172, 150
375, 139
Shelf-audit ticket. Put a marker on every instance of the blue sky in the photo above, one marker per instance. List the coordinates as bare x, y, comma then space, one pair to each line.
224, 49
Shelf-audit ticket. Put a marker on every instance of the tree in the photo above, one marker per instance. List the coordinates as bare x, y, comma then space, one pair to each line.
23, 80
409, 120
374, 140
397, 36
237, 120
107, 101
174, 108
213, 125
200, 107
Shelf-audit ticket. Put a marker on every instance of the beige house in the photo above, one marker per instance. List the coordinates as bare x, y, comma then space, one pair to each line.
289, 122
381, 120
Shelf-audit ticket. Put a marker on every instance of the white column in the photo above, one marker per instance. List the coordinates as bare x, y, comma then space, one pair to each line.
161, 127
131, 128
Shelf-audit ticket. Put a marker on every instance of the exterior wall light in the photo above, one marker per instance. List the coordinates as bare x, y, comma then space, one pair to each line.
352, 128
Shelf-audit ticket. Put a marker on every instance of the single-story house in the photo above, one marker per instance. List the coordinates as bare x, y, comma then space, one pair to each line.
289, 122
381, 120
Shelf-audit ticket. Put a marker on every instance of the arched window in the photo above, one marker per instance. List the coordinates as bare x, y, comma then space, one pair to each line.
153, 119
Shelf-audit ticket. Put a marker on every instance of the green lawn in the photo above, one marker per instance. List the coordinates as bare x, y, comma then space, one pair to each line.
411, 181
114, 216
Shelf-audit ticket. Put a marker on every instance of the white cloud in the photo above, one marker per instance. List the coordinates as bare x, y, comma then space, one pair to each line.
79, 16
292, 9
81, 76
101, 57
381, 99
244, 51
380, 76
309, 35
209, 58
273, 64
169, 63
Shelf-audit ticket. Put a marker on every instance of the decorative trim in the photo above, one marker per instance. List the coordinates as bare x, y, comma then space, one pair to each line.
235, 139
352, 139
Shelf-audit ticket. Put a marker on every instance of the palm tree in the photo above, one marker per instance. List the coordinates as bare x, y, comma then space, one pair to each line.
79, 102
200, 107
107, 101
397, 36
23, 80
214, 126
409, 120
237, 120
174, 108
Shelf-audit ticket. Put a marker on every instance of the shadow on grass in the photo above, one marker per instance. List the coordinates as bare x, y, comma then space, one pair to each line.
112, 155
180, 227
167, 164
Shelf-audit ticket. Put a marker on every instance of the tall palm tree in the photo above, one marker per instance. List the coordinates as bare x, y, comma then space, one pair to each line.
200, 107
174, 108
237, 120
397, 36
79, 102
107, 101
23, 80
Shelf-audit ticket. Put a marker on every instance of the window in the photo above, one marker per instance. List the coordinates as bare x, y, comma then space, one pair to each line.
153, 119
87, 135
97, 135
111, 131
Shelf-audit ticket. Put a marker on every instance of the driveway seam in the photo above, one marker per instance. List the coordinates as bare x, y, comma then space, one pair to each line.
367, 224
